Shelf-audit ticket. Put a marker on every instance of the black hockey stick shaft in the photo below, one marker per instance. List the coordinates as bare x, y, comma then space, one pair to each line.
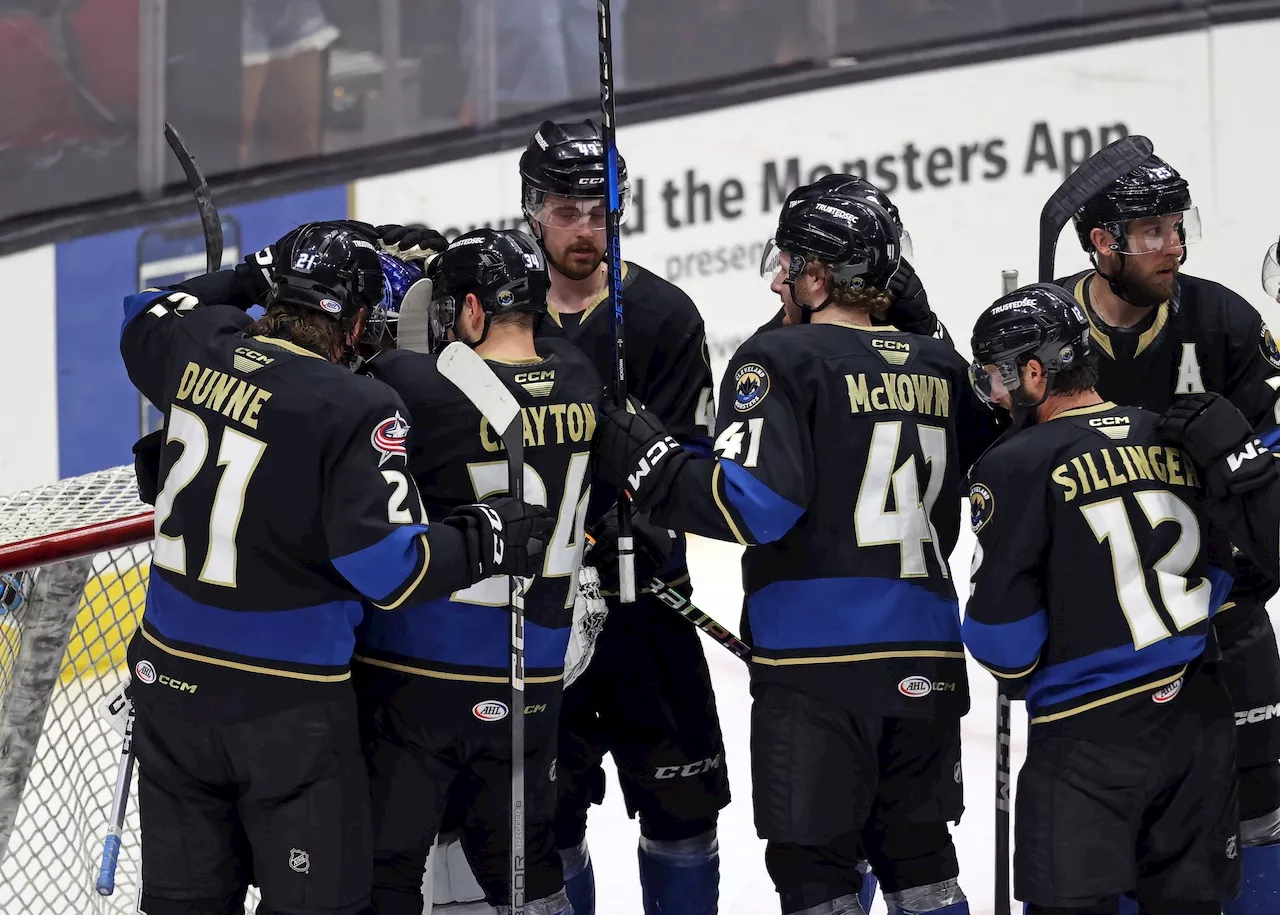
626, 545
1003, 737
682, 605
513, 440
1091, 178
210, 221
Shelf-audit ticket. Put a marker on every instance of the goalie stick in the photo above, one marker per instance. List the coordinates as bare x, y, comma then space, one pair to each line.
471, 375
604, 23
1008, 282
1094, 176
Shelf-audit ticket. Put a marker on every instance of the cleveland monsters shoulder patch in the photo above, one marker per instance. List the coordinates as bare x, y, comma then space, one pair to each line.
1268, 347
982, 505
750, 385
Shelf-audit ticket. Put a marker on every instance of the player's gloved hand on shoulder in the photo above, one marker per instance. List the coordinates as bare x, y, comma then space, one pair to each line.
652, 544
1221, 442
413, 242
236, 287
504, 536
146, 465
634, 450
910, 310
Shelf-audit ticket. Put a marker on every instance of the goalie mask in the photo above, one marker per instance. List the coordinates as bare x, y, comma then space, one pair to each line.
505, 270
1041, 322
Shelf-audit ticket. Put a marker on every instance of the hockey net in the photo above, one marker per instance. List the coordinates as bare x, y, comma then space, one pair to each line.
83, 546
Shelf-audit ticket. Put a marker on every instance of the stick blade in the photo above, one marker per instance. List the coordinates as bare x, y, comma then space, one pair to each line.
209, 219
472, 376
413, 327
1094, 176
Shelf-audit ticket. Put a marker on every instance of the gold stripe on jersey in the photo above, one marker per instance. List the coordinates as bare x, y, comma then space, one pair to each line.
1145, 339
250, 668
756, 658
450, 675
1016, 675
287, 344
717, 480
599, 299
1086, 410
406, 590
1114, 697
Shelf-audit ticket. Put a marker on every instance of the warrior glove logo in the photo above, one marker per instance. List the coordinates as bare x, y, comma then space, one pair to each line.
982, 505
750, 385
389, 438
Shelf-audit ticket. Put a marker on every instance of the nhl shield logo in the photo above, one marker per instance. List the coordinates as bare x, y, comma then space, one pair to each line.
299, 861
389, 438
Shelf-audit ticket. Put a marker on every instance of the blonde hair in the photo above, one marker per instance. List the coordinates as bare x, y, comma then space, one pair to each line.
875, 302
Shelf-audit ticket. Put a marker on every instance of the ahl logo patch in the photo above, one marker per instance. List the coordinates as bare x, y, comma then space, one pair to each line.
982, 505
915, 687
146, 671
490, 710
331, 306
750, 385
1161, 696
389, 438
1268, 346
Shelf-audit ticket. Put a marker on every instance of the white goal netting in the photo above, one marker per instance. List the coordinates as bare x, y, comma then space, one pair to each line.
84, 545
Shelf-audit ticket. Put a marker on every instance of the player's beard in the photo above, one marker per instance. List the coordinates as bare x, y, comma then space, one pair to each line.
1151, 288
577, 260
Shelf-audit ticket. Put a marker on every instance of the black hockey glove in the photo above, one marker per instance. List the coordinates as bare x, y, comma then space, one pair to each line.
1221, 442
411, 243
146, 465
504, 536
634, 450
653, 546
910, 310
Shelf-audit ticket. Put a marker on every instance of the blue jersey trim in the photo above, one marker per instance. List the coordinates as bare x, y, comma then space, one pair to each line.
136, 304
1104, 671
767, 514
829, 612
1010, 646
380, 570
466, 635
322, 635
1270, 438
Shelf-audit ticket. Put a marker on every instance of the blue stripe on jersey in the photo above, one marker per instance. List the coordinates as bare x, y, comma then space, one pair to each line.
829, 612
378, 570
1270, 438
1105, 670
321, 635
1220, 583
1010, 646
699, 447
766, 513
466, 635
135, 304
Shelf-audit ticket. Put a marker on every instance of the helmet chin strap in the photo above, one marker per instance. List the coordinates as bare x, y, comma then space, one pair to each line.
798, 265
1023, 409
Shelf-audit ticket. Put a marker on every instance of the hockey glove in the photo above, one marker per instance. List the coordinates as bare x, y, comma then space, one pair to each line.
504, 536
411, 243
653, 547
634, 450
910, 310
146, 465
1221, 442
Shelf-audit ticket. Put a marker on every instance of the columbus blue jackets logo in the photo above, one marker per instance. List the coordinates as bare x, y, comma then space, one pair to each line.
1268, 347
982, 505
389, 438
750, 385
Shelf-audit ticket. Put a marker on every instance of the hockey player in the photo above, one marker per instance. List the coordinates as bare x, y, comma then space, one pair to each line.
647, 696
284, 500
1129, 781
840, 450
1159, 332
431, 677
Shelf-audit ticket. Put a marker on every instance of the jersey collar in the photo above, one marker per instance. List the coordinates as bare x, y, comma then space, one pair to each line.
1102, 332
287, 344
586, 313
1085, 411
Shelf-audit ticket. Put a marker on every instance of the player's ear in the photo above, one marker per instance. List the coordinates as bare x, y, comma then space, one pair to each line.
1103, 241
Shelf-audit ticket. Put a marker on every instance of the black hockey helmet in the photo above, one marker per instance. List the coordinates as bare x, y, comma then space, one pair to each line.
506, 270
1041, 321
856, 239
568, 160
1155, 188
329, 268
859, 189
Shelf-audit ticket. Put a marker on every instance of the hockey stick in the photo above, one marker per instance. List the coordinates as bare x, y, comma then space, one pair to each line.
1008, 283
106, 882
1098, 171
682, 605
626, 545
471, 375
209, 218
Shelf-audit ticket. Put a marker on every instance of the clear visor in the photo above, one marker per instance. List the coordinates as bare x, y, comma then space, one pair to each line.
908, 250
443, 312
1153, 234
571, 212
1271, 272
771, 260
994, 384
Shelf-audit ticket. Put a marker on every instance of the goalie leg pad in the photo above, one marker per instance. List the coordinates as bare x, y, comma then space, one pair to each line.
680, 877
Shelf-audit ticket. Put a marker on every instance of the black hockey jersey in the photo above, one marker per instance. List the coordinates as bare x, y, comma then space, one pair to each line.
284, 495
1091, 583
841, 452
1206, 338
458, 459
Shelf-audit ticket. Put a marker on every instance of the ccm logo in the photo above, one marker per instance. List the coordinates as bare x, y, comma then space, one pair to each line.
650, 460
891, 344
919, 687
1254, 448
1256, 715
546, 375
690, 770
1110, 421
